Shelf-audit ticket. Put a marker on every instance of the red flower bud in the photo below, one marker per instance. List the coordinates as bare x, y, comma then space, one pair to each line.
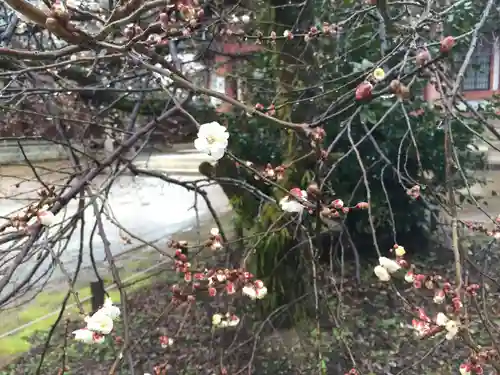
447, 44
364, 91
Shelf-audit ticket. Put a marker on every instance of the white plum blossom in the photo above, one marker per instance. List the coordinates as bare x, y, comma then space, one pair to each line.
465, 369
88, 337
216, 320
224, 321
451, 326
390, 265
451, 329
46, 217
109, 309
261, 292
232, 320
439, 296
441, 319
216, 242
385, 268
382, 273
289, 204
249, 291
254, 291
84, 335
245, 18
221, 277
100, 323
212, 140
409, 277
216, 245
166, 341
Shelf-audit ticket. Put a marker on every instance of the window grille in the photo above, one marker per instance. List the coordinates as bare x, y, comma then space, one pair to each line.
477, 75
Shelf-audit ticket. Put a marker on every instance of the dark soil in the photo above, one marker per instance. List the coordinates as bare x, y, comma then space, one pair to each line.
368, 324
365, 326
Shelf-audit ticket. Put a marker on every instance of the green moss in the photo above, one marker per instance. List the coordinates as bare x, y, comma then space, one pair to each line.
46, 303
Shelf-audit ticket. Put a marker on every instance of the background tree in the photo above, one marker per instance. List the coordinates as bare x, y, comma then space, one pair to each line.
334, 154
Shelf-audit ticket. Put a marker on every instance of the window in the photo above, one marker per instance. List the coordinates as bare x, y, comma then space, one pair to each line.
477, 75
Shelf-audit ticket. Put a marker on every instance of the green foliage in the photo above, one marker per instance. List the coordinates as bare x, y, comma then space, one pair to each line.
399, 143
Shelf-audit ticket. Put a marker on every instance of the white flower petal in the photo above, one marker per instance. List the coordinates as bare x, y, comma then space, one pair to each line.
210, 128
389, 264
46, 218
382, 273
261, 292
441, 319
201, 145
217, 154
84, 335
100, 323
249, 291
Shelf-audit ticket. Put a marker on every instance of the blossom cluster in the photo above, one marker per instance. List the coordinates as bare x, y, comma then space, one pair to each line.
364, 90
99, 324
35, 214
448, 321
424, 325
297, 200
413, 192
226, 320
271, 173
215, 281
481, 228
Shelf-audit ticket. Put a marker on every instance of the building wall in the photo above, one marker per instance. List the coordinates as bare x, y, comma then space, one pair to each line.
219, 78
476, 95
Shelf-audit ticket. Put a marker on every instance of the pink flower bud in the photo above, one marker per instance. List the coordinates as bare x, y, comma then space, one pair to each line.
364, 91
447, 44
422, 57
362, 205
230, 288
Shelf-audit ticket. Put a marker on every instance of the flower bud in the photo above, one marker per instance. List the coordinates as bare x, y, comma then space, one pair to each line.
447, 44
364, 91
